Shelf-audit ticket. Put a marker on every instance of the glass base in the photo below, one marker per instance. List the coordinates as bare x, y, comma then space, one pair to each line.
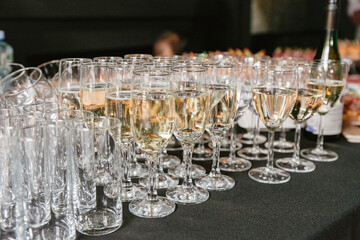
188, 195
169, 161
269, 176
253, 154
249, 139
138, 170
99, 222
163, 181
283, 147
226, 148
55, 229
290, 165
216, 183
234, 165
318, 155
133, 192
161, 207
202, 154
197, 171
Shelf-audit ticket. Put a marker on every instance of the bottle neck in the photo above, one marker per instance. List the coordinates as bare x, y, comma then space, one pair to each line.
332, 13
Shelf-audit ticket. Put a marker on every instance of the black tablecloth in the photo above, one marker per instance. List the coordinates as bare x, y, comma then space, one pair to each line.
324, 204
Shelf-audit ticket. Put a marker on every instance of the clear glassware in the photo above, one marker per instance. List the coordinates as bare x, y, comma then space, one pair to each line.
152, 108
140, 56
69, 81
243, 100
169, 161
50, 80
9, 68
222, 88
111, 59
22, 84
98, 213
117, 105
248, 137
308, 102
274, 91
191, 109
336, 75
202, 153
14, 193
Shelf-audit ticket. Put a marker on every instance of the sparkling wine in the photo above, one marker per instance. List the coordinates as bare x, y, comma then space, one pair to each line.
191, 108
71, 97
118, 106
273, 105
152, 120
92, 98
307, 104
222, 113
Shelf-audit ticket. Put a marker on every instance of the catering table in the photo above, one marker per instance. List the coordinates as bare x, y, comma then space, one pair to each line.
324, 204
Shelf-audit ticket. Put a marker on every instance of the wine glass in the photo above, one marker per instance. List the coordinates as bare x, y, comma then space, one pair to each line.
118, 92
222, 89
254, 153
140, 56
191, 109
274, 95
69, 81
9, 68
307, 104
152, 120
111, 59
336, 75
243, 87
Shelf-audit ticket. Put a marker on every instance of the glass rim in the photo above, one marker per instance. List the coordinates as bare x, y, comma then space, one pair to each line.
189, 68
75, 60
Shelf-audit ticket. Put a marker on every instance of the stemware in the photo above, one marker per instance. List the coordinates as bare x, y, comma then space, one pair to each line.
191, 109
107, 59
152, 118
21, 84
336, 75
243, 87
50, 72
135, 57
222, 90
9, 68
307, 104
69, 81
274, 95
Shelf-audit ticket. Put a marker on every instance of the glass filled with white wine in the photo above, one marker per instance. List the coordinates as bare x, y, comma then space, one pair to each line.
69, 81
118, 92
336, 74
191, 110
93, 87
222, 89
152, 107
275, 91
307, 104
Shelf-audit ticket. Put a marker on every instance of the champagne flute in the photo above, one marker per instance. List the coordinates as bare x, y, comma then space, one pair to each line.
191, 109
307, 104
222, 90
152, 109
117, 105
243, 87
336, 75
274, 95
69, 81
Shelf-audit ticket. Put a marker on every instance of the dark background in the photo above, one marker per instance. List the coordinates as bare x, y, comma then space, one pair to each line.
41, 30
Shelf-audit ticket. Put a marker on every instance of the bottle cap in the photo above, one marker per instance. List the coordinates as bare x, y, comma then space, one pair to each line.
2, 35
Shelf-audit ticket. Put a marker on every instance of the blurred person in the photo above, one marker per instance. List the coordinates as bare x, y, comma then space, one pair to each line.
353, 10
168, 44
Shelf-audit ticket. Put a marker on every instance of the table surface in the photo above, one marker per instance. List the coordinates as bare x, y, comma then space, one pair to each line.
324, 204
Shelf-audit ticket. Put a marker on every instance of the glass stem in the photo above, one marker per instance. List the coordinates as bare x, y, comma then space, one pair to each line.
282, 137
152, 193
126, 166
270, 162
201, 145
215, 170
187, 156
296, 155
320, 138
133, 153
232, 142
256, 133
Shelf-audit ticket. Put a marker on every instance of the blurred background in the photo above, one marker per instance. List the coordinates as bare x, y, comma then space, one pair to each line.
42, 30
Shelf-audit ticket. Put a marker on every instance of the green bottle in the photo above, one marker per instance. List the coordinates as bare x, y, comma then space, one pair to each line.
329, 47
